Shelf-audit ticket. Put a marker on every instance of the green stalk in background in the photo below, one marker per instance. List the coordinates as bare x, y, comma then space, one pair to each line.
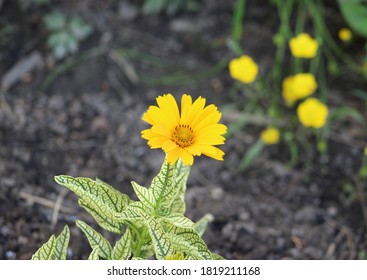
237, 28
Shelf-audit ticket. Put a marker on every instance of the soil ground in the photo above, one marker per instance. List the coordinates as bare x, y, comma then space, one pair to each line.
83, 119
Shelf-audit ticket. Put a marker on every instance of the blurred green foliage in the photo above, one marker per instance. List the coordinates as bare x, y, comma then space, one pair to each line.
65, 34
355, 13
170, 7
41, 2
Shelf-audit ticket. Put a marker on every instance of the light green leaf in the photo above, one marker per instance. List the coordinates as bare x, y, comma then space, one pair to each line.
201, 225
181, 173
188, 241
79, 28
94, 255
122, 249
87, 188
169, 187
147, 251
106, 222
46, 250
60, 249
161, 242
101, 201
216, 257
251, 154
178, 220
343, 112
133, 212
144, 195
96, 240
54, 21
162, 186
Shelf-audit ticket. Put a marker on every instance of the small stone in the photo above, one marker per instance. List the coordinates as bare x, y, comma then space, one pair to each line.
127, 11
217, 193
244, 216
332, 211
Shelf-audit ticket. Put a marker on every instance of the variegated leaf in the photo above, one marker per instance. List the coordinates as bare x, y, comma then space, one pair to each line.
147, 251
179, 220
61, 245
201, 225
188, 241
162, 186
98, 198
145, 195
96, 240
107, 222
181, 173
88, 189
161, 242
216, 257
94, 255
133, 212
46, 250
122, 248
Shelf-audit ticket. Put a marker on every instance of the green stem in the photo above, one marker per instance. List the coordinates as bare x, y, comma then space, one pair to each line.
321, 142
284, 32
237, 20
142, 238
316, 14
300, 23
323, 88
293, 148
301, 15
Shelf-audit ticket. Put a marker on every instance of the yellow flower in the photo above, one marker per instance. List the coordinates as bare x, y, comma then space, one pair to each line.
312, 113
243, 69
192, 132
345, 34
270, 136
303, 46
178, 256
365, 151
298, 87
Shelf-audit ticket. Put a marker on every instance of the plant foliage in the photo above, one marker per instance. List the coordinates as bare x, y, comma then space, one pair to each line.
154, 226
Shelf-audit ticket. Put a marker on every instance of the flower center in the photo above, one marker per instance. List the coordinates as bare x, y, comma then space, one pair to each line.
183, 136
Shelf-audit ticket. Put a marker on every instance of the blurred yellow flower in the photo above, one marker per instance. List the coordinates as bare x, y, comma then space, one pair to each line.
345, 34
298, 87
303, 46
192, 132
365, 151
243, 69
312, 113
270, 136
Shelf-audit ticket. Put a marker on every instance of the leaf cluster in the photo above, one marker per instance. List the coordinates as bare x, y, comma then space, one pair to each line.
154, 226
65, 34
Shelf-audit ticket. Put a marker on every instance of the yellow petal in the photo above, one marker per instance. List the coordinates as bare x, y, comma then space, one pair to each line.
186, 103
213, 152
161, 130
195, 149
173, 155
210, 115
147, 115
196, 108
169, 145
212, 130
168, 105
186, 157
